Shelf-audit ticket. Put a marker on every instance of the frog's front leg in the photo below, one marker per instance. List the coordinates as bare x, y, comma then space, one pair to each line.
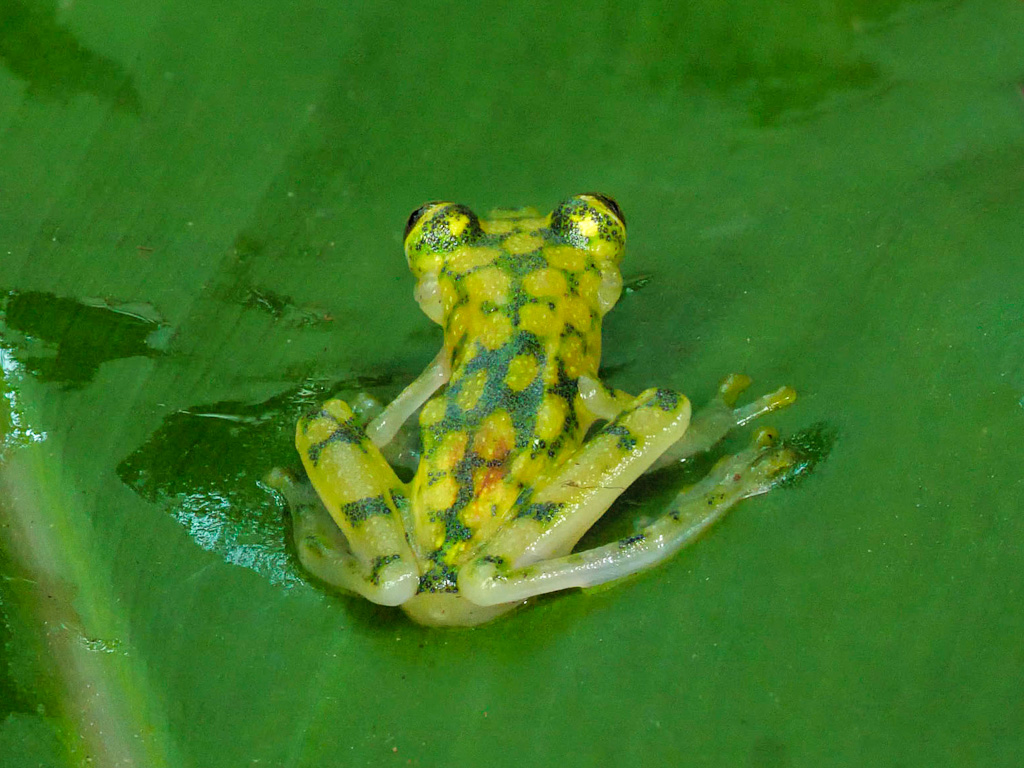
320, 545
386, 424
496, 579
364, 549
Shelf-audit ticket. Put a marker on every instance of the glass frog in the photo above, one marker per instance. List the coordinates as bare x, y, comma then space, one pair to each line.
523, 446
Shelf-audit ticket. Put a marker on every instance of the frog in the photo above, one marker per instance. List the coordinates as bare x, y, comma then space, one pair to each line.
523, 446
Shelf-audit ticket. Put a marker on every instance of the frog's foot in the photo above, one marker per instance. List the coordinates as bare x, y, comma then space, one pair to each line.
721, 416
324, 551
754, 471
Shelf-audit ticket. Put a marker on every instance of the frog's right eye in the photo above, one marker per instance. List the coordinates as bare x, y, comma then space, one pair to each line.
435, 229
592, 222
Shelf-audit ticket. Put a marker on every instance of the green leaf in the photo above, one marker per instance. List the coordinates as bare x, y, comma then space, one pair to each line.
201, 209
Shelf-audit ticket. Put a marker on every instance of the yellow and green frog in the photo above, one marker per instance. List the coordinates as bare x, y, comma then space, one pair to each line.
523, 446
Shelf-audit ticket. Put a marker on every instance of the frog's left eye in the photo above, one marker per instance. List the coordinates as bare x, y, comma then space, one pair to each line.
435, 229
592, 222
416, 215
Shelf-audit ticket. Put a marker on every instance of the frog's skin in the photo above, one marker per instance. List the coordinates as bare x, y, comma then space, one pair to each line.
507, 484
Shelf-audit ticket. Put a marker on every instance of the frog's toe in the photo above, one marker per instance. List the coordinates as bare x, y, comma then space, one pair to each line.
732, 386
765, 463
293, 485
773, 401
770, 460
365, 407
279, 478
735, 384
765, 437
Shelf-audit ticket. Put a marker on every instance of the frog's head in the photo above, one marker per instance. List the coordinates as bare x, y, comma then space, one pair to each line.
591, 223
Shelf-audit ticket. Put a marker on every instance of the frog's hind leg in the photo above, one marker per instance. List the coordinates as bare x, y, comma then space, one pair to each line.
320, 545
708, 425
367, 550
566, 503
749, 473
720, 416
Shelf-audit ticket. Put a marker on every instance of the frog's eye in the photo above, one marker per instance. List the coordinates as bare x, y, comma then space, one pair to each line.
416, 216
435, 229
592, 222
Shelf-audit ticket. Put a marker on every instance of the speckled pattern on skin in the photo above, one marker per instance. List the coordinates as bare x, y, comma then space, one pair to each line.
506, 484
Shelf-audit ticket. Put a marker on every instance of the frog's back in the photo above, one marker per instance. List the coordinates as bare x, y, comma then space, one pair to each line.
521, 308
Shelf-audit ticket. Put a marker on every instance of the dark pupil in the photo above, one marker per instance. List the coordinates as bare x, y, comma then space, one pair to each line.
414, 217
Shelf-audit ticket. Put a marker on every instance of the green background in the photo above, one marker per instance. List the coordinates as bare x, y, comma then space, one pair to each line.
200, 216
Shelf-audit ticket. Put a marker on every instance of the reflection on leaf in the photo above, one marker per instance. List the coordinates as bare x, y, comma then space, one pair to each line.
812, 446
34, 47
783, 60
206, 466
65, 340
